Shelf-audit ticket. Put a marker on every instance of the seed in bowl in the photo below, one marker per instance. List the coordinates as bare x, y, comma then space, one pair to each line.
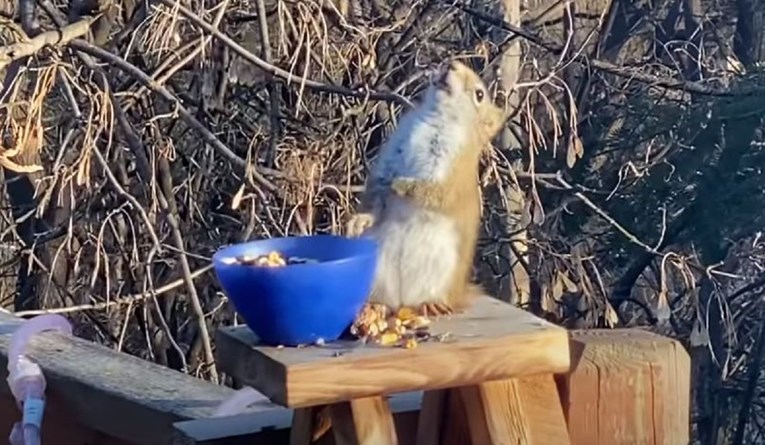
299, 260
272, 259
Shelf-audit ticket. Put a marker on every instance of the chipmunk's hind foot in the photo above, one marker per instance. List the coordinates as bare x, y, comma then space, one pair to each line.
435, 309
359, 223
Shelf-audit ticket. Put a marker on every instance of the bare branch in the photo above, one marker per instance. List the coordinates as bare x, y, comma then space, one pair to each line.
49, 38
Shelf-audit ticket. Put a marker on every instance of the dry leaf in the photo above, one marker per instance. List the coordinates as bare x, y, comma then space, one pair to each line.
14, 167
482, 50
614, 129
237, 198
568, 284
662, 308
575, 151
11, 152
570, 156
733, 65
83, 170
343, 6
546, 298
538, 214
699, 335
557, 289
526, 215
516, 200
612, 318
369, 61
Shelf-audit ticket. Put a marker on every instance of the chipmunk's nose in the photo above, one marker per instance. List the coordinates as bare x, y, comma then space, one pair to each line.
446, 68
440, 76
436, 73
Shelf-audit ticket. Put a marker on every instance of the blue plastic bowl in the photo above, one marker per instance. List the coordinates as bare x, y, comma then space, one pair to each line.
299, 303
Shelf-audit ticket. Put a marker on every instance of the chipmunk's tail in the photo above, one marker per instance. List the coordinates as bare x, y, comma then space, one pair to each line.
474, 291
470, 293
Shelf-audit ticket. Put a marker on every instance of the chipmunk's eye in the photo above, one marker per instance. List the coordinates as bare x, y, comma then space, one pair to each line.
479, 94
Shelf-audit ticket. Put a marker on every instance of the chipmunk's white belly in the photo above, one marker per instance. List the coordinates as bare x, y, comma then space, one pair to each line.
417, 255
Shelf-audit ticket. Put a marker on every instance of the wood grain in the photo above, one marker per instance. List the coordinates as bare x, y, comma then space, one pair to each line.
517, 411
493, 340
627, 387
364, 421
543, 410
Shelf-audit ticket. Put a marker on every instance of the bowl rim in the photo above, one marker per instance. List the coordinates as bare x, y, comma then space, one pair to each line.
217, 256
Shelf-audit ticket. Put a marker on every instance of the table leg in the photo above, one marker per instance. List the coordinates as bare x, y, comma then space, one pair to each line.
365, 421
308, 424
442, 419
432, 415
524, 411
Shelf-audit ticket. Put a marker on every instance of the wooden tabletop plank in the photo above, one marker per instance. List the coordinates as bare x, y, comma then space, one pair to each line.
493, 340
115, 393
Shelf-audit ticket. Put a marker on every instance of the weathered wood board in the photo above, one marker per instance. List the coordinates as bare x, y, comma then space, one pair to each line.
491, 341
115, 393
273, 427
627, 387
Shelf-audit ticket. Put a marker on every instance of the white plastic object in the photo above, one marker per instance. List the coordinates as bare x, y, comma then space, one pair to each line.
32, 326
26, 380
239, 402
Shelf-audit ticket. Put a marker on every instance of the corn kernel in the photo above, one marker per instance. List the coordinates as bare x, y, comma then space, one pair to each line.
419, 323
410, 343
402, 328
388, 339
406, 313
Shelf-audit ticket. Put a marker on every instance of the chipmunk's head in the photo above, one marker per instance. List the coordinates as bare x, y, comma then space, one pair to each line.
457, 88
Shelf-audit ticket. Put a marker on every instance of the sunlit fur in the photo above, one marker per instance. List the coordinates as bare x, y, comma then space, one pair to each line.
427, 240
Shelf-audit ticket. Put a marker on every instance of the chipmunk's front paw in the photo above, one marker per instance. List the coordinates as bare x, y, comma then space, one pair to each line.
359, 223
403, 186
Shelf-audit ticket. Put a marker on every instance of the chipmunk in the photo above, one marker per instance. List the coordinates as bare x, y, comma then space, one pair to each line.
422, 202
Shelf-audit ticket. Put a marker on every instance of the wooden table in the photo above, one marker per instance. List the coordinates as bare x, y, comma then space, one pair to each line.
492, 383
